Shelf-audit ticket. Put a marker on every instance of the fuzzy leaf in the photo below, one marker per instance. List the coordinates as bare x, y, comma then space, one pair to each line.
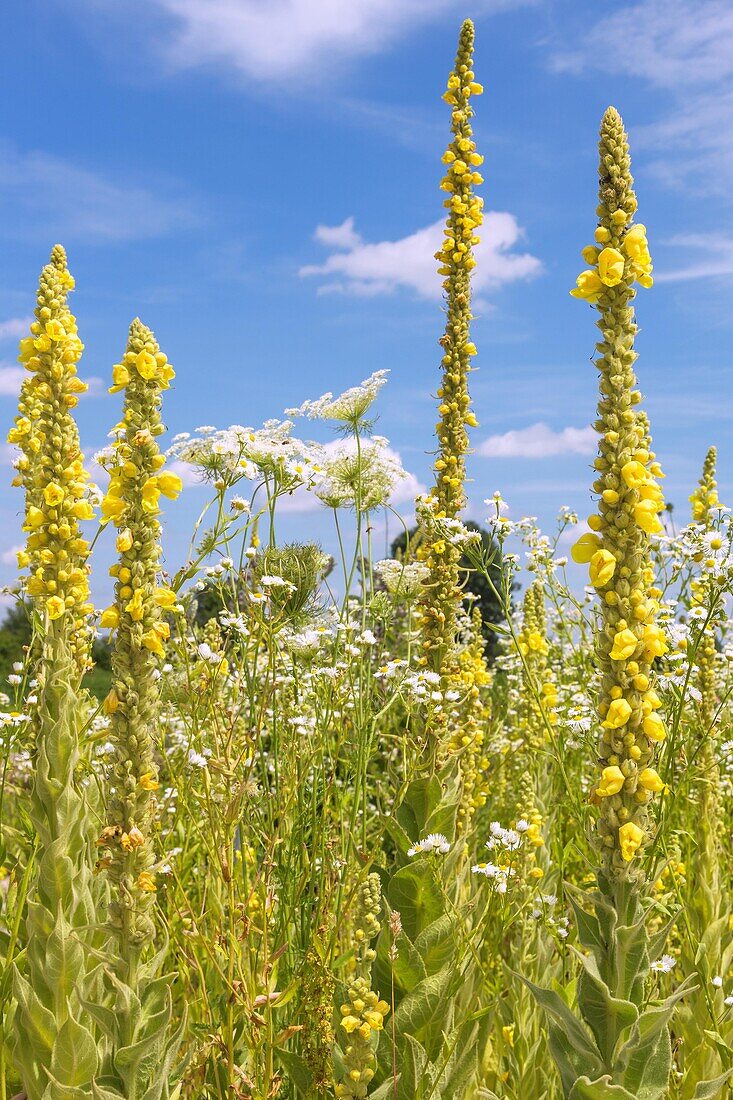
422, 1012
436, 944
74, 1058
706, 1090
600, 1089
417, 895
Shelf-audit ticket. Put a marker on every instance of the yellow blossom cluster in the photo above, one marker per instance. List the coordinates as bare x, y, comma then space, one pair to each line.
132, 502
616, 548
363, 1014
50, 466
704, 498
620, 253
534, 648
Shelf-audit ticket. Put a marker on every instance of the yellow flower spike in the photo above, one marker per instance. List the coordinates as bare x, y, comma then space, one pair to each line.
630, 837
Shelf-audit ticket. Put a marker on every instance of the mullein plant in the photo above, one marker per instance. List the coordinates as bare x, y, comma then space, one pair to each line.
435, 1036
54, 1045
621, 1045
140, 1048
706, 940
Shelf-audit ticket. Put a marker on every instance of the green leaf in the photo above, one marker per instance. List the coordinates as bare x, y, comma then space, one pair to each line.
416, 894
423, 797
706, 1090
297, 1071
644, 1036
606, 1015
580, 1041
74, 1058
422, 1012
414, 1063
600, 1089
436, 944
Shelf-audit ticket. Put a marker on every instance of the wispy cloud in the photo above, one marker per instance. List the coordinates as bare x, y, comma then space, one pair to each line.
14, 328
49, 198
11, 379
539, 441
275, 38
683, 48
712, 256
357, 266
10, 556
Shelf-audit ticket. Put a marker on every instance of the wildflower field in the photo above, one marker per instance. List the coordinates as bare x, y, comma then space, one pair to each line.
327, 827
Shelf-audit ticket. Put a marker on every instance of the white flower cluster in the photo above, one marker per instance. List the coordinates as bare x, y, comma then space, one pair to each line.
403, 579
349, 407
434, 842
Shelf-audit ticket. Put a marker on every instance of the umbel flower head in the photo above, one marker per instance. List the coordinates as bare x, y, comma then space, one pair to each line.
50, 466
616, 548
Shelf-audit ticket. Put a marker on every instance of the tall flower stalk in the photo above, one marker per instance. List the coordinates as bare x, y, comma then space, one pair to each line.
621, 1045
54, 1045
137, 481
465, 214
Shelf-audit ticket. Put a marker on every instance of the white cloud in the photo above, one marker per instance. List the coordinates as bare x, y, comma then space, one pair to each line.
45, 197
685, 49
711, 256
14, 328
269, 39
359, 267
10, 556
539, 441
188, 474
11, 378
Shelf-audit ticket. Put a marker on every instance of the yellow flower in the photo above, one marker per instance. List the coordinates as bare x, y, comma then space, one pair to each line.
113, 507
165, 597
120, 377
654, 641
55, 607
55, 330
584, 549
150, 495
618, 715
53, 494
654, 727
635, 474
645, 514
624, 645
110, 618
169, 484
630, 837
635, 245
650, 780
610, 266
148, 782
146, 882
135, 607
508, 1034
602, 568
111, 702
350, 1023
146, 365
123, 542
612, 780
82, 509
588, 286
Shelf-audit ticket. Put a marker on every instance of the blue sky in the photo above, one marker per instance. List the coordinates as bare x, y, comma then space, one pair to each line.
223, 168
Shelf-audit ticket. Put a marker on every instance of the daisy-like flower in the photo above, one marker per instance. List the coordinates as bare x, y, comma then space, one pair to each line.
434, 842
